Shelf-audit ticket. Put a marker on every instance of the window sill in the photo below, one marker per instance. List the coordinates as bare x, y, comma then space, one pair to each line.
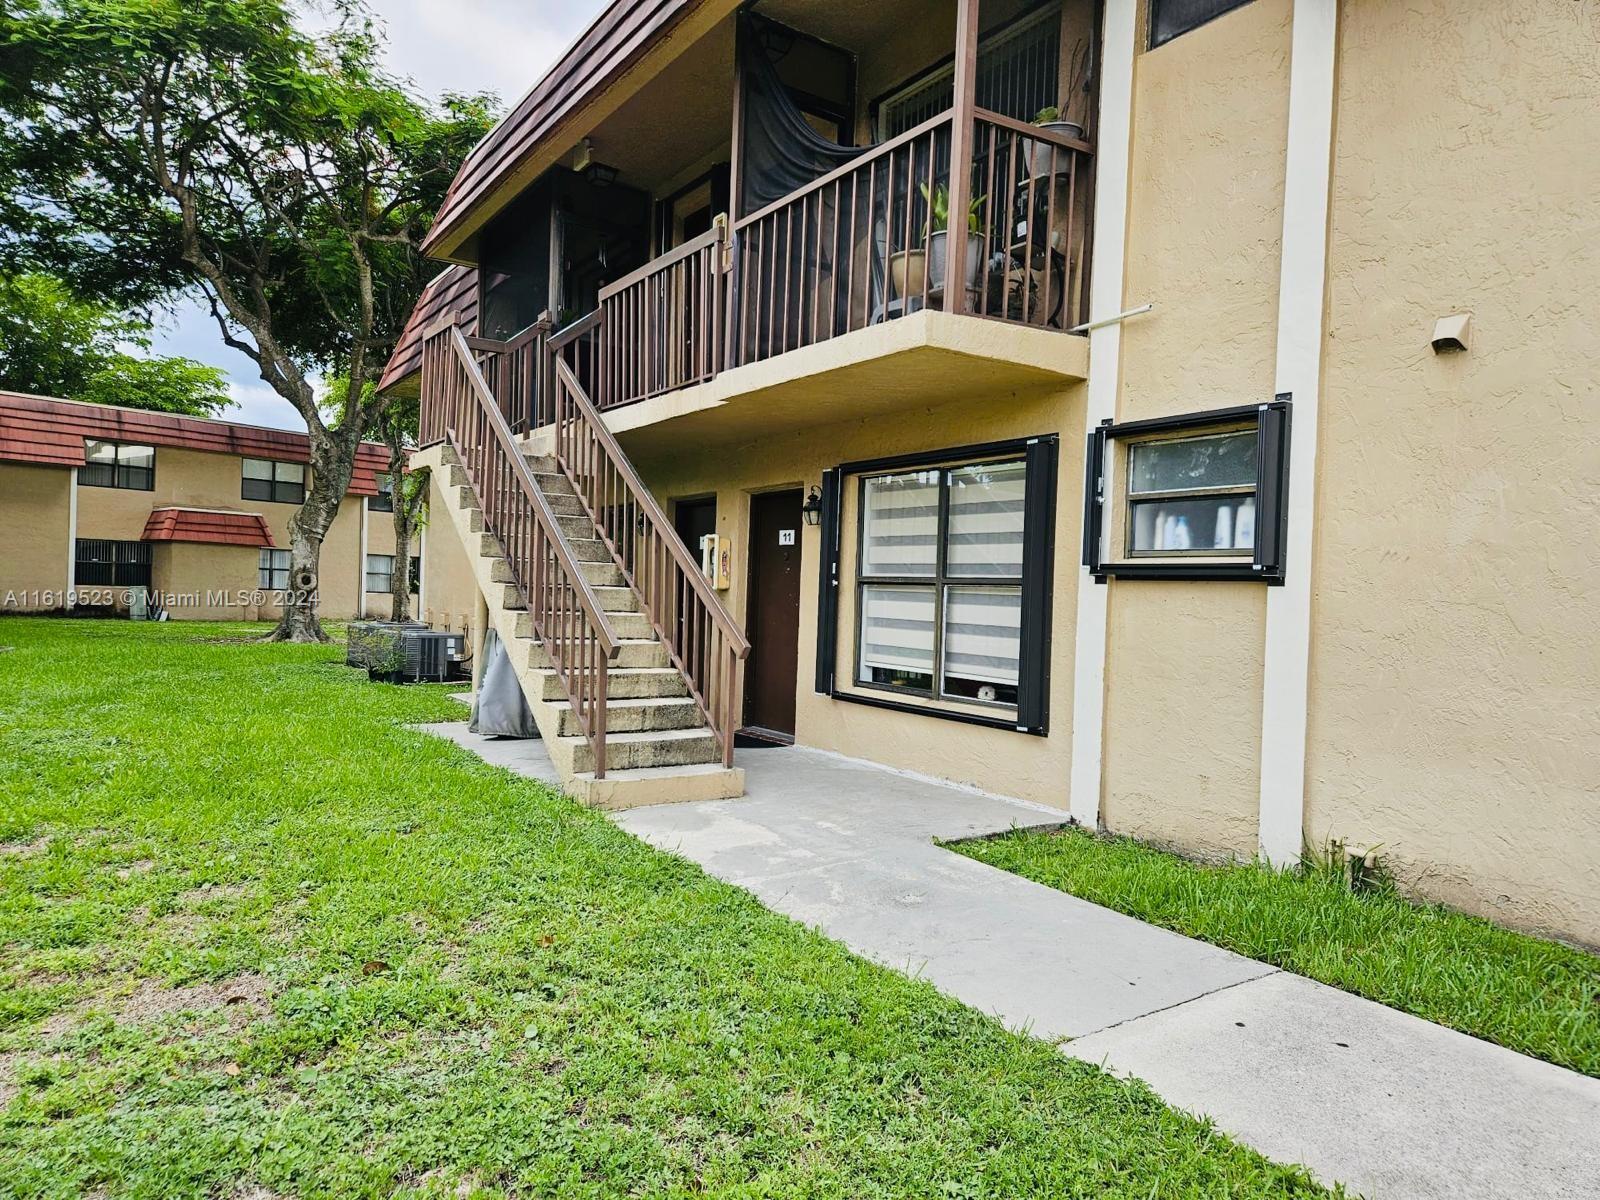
1191, 569
964, 716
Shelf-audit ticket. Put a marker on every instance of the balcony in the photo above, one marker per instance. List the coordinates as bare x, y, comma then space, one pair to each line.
840, 297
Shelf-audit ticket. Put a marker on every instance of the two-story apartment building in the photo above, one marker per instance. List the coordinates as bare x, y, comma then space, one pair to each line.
99, 502
1231, 483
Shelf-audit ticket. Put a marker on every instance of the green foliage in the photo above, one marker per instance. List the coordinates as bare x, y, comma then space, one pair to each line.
938, 202
1046, 115
54, 344
1342, 924
465, 984
155, 146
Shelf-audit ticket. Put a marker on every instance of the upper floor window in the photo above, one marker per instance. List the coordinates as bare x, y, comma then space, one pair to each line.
117, 465
1169, 18
278, 482
384, 500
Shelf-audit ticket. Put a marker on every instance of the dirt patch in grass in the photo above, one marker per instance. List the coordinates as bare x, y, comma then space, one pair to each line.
243, 996
24, 849
137, 867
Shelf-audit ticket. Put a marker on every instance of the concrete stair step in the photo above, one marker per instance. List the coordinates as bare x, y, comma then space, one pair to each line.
657, 785
624, 683
627, 624
635, 751
636, 716
617, 599
632, 654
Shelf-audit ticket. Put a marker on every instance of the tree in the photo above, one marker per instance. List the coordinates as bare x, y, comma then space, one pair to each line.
149, 147
54, 344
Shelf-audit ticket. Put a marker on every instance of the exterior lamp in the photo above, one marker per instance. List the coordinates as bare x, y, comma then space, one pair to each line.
600, 174
811, 510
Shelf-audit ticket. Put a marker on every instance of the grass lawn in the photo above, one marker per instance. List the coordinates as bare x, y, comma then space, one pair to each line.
257, 938
1539, 997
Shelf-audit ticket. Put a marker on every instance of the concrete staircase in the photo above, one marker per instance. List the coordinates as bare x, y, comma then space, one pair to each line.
658, 747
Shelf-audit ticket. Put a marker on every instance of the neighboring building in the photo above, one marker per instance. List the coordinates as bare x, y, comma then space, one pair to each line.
98, 501
1186, 498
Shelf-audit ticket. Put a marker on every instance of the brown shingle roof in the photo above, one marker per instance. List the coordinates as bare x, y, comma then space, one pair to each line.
602, 52
42, 429
207, 525
454, 289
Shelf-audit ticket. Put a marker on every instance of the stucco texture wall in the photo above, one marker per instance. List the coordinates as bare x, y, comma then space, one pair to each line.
195, 479
1002, 761
1455, 696
34, 515
449, 593
1184, 661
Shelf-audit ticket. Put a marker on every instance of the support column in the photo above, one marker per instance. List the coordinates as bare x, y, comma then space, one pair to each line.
480, 626
361, 565
1302, 292
959, 191
1115, 130
72, 539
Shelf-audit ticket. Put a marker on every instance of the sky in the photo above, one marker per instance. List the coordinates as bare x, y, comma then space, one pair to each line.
501, 46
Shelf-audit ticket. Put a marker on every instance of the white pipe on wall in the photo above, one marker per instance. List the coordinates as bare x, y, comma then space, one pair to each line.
1301, 300
1115, 129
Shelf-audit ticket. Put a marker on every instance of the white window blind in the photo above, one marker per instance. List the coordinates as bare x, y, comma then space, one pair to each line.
982, 637
986, 517
897, 625
901, 525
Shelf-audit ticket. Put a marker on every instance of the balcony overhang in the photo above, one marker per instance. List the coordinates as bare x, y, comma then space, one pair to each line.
917, 361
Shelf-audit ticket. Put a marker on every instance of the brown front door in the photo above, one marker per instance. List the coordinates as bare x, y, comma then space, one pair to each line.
773, 620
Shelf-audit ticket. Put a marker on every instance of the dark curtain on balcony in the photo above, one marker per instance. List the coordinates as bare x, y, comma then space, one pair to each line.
781, 151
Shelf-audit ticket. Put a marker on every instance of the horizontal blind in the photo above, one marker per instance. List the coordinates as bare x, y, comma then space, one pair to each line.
987, 512
982, 634
897, 629
901, 526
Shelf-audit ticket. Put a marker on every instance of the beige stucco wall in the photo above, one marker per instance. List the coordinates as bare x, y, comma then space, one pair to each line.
1455, 695
35, 516
449, 595
1034, 768
34, 507
201, 582
1184, 661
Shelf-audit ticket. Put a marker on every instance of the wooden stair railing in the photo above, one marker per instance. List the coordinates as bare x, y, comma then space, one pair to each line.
701, 639
516, 371
567, 618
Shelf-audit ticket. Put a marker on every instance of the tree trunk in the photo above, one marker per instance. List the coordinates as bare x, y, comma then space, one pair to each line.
405, 526
331, 468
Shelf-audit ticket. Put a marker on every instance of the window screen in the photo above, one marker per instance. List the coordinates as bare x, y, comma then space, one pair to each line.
1169, 18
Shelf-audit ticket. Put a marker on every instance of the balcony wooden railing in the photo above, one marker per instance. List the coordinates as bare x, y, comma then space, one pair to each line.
847, 250
701, 639
862, 245
661, 327
459, 408
515, 371
1030, 224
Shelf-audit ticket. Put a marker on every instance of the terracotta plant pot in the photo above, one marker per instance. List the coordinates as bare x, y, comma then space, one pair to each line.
907, 270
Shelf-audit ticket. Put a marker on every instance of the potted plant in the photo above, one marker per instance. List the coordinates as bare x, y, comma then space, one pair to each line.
1040, 152
912, 268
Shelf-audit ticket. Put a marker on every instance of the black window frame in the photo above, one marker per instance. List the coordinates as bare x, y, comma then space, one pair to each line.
267, 567
1031, 713
108, 562
121, 475
383, 501
1184, 24
296, 489
1267, 560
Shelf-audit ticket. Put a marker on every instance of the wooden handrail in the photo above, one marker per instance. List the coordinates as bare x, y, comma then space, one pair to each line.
881, 150
569, 623
1033, 131
642, 496
604, 631
677, 254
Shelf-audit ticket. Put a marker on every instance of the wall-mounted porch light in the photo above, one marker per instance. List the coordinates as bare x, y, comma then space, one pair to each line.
600, 174
811, 510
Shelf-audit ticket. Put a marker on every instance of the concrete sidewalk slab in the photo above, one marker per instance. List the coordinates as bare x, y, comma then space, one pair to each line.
1386, 1103
1383, 1102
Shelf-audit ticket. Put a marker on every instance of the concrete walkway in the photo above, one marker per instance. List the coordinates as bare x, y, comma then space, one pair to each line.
1385, 1103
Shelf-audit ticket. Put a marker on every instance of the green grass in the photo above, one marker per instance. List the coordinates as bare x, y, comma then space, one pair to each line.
1539, 997
451, 981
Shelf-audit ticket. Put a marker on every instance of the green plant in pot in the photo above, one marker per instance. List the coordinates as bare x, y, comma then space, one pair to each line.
912, 268
1041, 162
